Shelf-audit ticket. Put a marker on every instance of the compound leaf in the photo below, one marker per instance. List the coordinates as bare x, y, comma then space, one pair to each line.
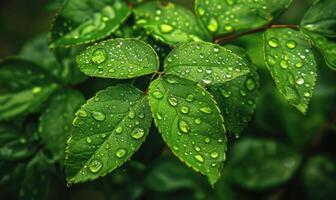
108, 129
85, 21
118, 58
292, 64
24, 86
272, 163
226, 16
190, 123
55, 121
205, 63
169, 23
321, 18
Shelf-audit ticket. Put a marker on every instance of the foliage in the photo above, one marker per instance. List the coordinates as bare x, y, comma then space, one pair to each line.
115, 75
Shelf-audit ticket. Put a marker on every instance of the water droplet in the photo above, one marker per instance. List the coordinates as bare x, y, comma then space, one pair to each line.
176, 148
88, 140
199, 158
284, 64
172, 101
299, 64
207, 140
121, 153
306, 94
197, 148
166, 28
200, 11
98, 116
190, 98
273, 42
157, 94
172, 81
158, 116
138, 133
213, 25
271, 60
184, 127
82, 113
131, 114
198, 121
225, 93
185, 109
206, 110
98, 56
95, 166
214, 155
300, 81
291, 44
250, 84
36, 90
216, 49
119, 129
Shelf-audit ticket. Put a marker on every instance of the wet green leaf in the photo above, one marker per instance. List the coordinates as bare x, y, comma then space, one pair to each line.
55, 121
190, 123
236, 98
85, 21
258, 164
227, 16
292, 65
119, 58
170, 23
319, 178
205, 63
321, 18
108, 129
24, 86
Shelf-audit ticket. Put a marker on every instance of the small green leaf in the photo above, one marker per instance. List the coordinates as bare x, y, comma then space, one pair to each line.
319, 178
258, 164
321, 18
327, 47
236, 98
292, 64
13, 144
85, 21
24, 86
119, 58
190, 123
108, 129
170, 23
55, 121
205, 63
227, 16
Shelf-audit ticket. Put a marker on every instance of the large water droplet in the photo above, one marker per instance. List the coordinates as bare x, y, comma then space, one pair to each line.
190, 98
121, 153
206, 110
157, 94
166, 28
273, 42
138, 133
172, 101
198, 121
131, 114
119, 129
214, 155
36, 90
98, 116
300, 81
184, 126
291, 44
199, 158
185, 109
284, 64
213, 25
95, 166
99, 56
200, 11
82, 113
298, 64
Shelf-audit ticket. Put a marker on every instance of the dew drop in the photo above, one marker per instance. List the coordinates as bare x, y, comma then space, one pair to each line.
88, 140
198, 121
157, 94
98, 116
99, 56
216, 49
213, 25
166, 28
225, 93
119, 129
284, 64
82, 113
172, 101
95, 166
207, 140
138, 133
121, 153
250, 84
200, 11
291, 44
36, 90
206, 110
185, 109
131, 114
214, 155
300, 81
199, 158
190, 98
184, 127
299, 64
273, 42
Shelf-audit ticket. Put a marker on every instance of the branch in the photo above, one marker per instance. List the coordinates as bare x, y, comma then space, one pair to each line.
224, 38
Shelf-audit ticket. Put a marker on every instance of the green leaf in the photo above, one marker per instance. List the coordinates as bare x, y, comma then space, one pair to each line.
86, 21
319, 178
292, 65
55, 121
227, 16
327, 47
236, 98
24, 86
13, 144
258, 164
205, 63
190, 123
170, 23
321, 18
108, 129
119, 58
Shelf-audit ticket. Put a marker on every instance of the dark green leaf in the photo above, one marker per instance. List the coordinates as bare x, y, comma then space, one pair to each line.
319, 178
108, 129
258, 164
119, 58
55, 121
236, 98
292, 64
170, 23
24, 86
85, 21
226, 16
205, 63
190, 123
321, 18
